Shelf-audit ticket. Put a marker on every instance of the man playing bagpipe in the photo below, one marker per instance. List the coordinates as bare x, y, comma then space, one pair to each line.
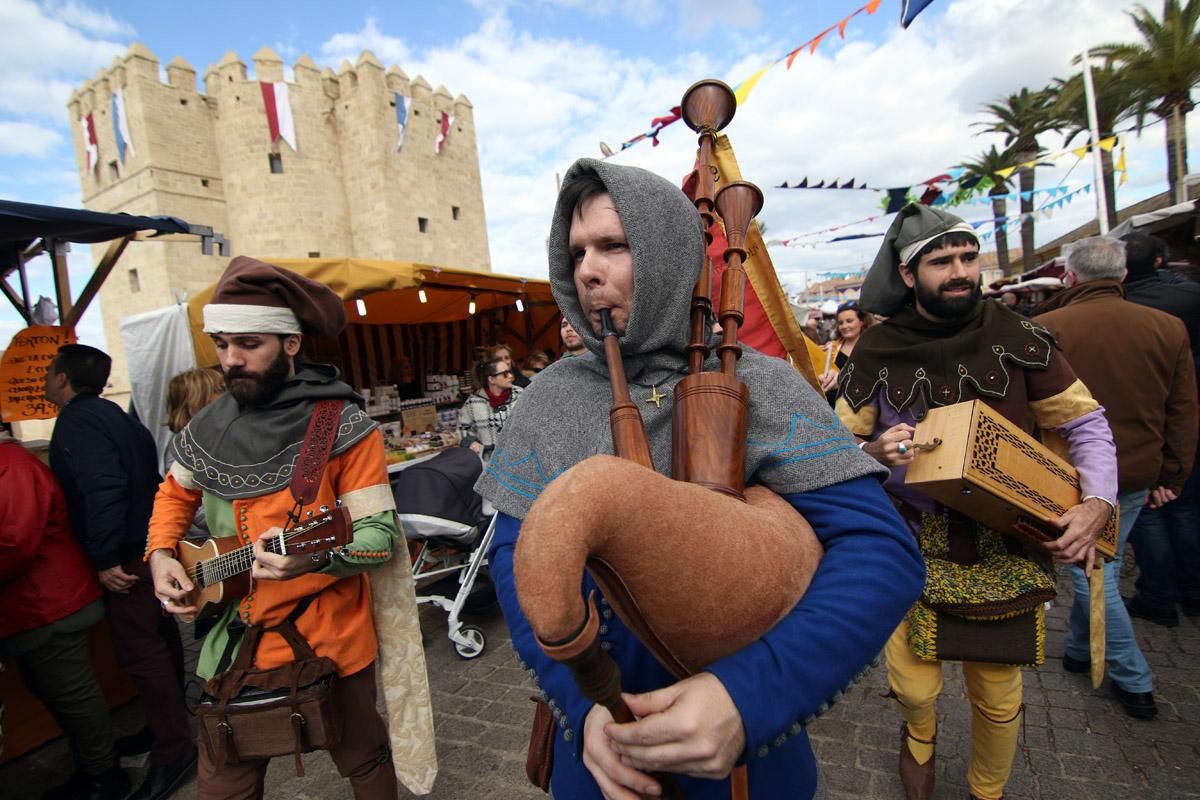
627, 244
943, 344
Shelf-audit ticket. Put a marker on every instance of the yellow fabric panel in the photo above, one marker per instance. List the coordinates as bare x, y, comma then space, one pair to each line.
762, 276
1071, 403
861, 422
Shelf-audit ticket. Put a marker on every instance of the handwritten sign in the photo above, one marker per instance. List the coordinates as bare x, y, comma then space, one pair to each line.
23, 372
419, 420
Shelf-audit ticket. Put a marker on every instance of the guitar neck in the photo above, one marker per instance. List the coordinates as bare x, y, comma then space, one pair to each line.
241, 560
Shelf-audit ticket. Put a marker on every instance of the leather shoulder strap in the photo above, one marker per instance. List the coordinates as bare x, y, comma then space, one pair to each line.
314, 455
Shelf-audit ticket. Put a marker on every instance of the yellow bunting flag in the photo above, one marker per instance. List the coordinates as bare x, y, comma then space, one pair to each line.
1004, 173
1029, 164
744, 88
1121, 168
1108, 144
1080, 152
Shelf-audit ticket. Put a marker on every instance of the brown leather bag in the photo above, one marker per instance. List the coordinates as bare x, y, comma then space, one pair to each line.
540, 759
249, 714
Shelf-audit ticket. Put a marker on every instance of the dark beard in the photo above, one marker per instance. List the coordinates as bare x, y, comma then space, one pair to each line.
949, 308
252, 389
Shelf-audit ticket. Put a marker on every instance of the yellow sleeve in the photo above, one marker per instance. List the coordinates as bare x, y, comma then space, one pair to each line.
1071, 403
862, 422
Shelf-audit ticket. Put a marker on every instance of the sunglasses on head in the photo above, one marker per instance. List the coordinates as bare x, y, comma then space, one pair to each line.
850, 306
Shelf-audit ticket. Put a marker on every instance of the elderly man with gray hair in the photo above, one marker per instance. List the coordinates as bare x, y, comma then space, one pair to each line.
1137, 362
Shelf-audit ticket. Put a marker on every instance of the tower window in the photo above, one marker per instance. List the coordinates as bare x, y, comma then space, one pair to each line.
183, 101
276, 162
135, 285
422, 224
454, 212
204, 182
314, 253
113, 172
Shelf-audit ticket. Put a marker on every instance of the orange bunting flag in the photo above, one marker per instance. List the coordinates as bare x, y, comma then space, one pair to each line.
872, 6
792, 55
841, 26
816, 41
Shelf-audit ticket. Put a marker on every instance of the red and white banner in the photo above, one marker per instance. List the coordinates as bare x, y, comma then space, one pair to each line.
88, 127
280, 122
447, 124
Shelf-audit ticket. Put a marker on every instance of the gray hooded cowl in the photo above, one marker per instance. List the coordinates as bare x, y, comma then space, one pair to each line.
795, 442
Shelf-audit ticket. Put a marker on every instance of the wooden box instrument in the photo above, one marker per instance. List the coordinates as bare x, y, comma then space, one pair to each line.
989, 469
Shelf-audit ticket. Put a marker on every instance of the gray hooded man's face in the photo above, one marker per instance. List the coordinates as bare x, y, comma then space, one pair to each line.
603, 262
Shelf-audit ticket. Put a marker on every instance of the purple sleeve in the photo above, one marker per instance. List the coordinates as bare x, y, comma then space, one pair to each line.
1093, 453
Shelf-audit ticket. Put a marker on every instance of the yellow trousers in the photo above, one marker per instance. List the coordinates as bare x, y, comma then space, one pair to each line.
995, 694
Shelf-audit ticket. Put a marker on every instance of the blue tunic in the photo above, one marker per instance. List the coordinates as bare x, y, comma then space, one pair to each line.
868, 578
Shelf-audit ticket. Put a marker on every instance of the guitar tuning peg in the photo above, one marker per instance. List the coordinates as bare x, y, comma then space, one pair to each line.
310, 513
316, 558
324, 510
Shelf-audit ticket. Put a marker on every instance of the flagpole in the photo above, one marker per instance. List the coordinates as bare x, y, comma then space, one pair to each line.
1089, 93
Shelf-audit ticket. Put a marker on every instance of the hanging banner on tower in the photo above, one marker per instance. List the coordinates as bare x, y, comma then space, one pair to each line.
280, 122
403, 106
444, 132
121, 125
88, 127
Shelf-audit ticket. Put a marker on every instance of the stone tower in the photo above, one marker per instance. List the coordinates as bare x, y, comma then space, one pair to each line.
207, 157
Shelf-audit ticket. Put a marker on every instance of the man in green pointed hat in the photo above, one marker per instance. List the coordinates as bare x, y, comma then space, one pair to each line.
943, 344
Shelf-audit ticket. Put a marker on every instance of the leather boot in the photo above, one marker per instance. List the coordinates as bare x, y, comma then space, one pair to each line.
917, 779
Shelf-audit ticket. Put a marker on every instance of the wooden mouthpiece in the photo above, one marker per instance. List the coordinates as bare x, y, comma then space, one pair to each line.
625, 420
708, 105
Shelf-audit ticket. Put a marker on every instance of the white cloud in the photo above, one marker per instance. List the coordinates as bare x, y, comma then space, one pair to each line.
348, 46
87, 19
26, 139
45, 51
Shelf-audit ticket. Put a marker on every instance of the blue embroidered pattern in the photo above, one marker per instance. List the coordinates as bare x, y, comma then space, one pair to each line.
788, 450
508, 471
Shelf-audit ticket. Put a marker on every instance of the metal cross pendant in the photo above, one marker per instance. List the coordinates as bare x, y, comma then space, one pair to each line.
655, 397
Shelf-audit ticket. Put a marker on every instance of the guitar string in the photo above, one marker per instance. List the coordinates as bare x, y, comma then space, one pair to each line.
237, 561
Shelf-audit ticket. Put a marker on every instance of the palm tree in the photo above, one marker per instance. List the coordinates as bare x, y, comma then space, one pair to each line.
1022, 117
986, 165
1116, 99
1164, 67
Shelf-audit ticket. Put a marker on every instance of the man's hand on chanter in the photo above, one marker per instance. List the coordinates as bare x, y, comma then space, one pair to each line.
1082, 525
616, 780
691, 727
276, 567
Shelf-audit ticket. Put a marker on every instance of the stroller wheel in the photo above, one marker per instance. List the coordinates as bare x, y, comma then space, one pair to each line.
475, 642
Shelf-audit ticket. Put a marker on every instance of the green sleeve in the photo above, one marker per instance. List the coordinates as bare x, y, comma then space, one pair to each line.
375, 539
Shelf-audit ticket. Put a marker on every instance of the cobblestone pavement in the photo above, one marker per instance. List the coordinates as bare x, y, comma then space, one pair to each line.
1077, 744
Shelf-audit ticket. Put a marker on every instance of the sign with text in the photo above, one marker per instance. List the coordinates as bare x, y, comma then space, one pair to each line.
23, 372
419, 420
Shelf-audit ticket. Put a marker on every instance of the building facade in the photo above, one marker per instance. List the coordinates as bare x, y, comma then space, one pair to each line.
348, 188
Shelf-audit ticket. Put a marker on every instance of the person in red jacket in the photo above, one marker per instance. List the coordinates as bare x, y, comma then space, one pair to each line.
51, 597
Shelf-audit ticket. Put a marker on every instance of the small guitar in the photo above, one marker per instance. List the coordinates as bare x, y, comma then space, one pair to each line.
220, 569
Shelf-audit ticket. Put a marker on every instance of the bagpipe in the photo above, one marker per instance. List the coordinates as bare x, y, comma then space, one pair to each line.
668, 553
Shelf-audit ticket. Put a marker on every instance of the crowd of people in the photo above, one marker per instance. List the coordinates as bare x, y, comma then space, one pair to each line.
271, 440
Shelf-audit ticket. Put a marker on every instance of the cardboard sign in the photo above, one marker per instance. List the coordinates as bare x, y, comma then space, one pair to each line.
419, 420
23, 372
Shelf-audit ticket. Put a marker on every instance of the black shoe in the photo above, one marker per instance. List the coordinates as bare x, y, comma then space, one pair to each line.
1137, 608
1139, 705
161, 782
110, 785
135, 744
1078, 666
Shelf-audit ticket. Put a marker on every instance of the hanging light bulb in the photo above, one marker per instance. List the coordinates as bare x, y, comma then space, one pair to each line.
520, 305
421, 296
471, 305
361, 305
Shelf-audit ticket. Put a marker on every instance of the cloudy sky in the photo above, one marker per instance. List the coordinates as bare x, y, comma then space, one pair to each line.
551, 79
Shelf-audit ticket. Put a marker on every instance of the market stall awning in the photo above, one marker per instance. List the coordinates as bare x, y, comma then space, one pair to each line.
391, 294
28, 230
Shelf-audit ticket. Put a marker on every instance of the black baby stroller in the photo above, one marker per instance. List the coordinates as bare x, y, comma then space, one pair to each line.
447, 524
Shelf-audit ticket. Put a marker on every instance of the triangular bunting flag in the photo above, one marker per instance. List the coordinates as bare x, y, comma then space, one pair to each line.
832, 184
1026, 195
816, 41
803, 184
792, 55
872, 6
744, 88
820, 185
1081, 152
956, 173
1121, 168
1108, 144
841, 26
1006, 172
783, 185
848, 184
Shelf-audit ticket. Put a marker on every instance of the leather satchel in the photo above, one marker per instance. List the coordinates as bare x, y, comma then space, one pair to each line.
249, 714
540, 759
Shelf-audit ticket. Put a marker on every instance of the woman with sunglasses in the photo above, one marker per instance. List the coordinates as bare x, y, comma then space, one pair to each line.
849, 324
484, 412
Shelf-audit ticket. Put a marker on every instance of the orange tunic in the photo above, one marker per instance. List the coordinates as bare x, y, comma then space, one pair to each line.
339, 622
